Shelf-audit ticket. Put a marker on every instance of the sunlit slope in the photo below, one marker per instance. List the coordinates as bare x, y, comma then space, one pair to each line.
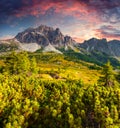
57, 66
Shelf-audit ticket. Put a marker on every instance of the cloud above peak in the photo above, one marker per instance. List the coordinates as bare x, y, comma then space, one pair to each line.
36, 7
108, 31
93, 13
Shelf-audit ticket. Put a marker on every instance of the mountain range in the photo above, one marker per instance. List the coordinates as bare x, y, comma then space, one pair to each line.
111, 48
46, 39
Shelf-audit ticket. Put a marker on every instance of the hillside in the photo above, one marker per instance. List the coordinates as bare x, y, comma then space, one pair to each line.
64, 67
61, 67
59, 63
38, 89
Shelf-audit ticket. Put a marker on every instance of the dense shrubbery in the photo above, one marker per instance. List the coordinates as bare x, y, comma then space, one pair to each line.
26, 101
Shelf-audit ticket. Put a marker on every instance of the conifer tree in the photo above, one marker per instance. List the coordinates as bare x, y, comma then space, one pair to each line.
107, 78
118, 76
33, 65
17, 63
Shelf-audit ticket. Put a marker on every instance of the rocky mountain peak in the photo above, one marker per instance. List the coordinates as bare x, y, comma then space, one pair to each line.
28, 29
43, 36
58, 31
44, 29
95, 41
111, 48
50, 39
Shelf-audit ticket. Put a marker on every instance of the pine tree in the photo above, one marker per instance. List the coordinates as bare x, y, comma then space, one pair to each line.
17, 63
11, 63
107, 78
118, 75
33, 65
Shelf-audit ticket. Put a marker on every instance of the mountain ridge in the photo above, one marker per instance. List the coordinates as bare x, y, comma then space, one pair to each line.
48, 39
44, 36
111, 48
32, 39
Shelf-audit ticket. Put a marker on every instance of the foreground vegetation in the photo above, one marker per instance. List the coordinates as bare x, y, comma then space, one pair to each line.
28, 100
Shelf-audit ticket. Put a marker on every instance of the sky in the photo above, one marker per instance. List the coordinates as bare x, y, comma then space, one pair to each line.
80, 19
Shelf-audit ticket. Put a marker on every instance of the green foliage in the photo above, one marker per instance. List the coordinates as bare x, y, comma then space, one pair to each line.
17, 63
5, 47
103, 58
108, 78
33, 65
100, 106
27, 101
118, 75
30, 102
93, 57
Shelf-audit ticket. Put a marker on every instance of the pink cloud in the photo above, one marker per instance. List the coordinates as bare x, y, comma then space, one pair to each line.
103, 34
75, 8
79, 40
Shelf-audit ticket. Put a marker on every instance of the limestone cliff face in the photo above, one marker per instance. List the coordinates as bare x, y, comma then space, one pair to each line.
44, 35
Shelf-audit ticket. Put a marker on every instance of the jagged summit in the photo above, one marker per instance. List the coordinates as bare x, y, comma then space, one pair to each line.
111, 48
43, 36
51, 39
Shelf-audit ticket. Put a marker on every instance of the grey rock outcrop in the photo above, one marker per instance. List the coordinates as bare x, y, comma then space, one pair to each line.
44, 35
111, 48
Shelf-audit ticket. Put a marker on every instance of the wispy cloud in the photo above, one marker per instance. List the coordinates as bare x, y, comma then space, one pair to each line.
91, 14
6, 37
78, 8
108, 32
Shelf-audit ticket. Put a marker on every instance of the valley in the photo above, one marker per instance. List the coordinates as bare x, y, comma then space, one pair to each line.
66, 68
47, 80
59, 63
